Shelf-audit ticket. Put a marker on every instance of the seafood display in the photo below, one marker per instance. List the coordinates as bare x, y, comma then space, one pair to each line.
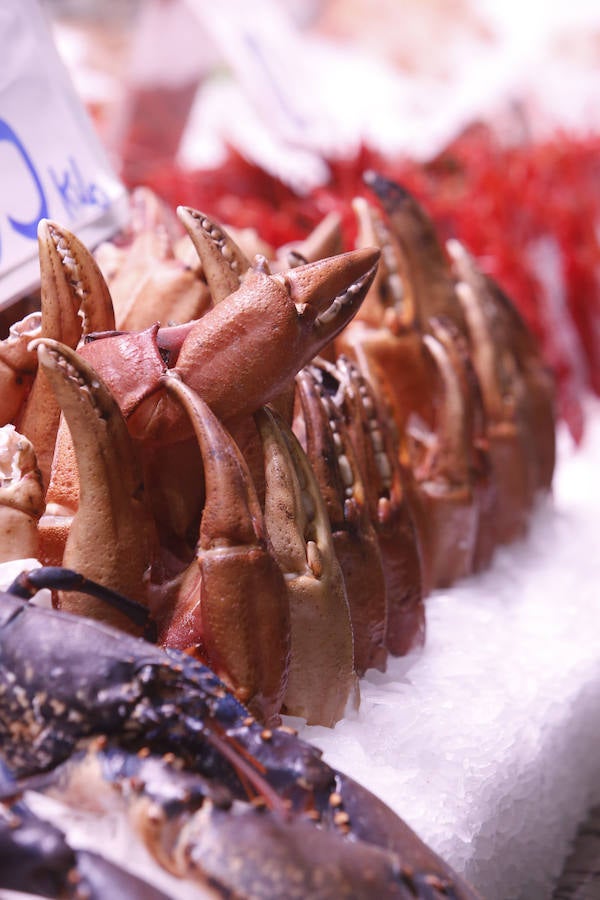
289, 547
527, 209
107, 719
260, 461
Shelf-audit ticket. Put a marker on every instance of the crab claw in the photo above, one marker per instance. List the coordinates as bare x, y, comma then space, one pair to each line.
21, 496
355, 543
425, 268
232, 603
321, 678
111, 538
446, 511
75, 296
243, 352
148, 281
390, 300
498, 333
18, 365
323, 241
74, 301
369, 426
247, 349
223, 262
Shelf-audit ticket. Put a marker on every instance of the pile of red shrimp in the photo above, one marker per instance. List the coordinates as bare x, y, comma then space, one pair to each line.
530, 213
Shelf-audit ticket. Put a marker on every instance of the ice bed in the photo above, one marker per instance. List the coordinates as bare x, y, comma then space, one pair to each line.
486, 742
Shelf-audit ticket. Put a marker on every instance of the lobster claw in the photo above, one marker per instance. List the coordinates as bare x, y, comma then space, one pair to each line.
36, 858
321, 678
231, 605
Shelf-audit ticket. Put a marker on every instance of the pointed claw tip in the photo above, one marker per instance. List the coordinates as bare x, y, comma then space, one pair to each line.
371, 256
188, 211
455, 249
387, 190
43, 228
47, 229
261, 264
464, 291
360, 204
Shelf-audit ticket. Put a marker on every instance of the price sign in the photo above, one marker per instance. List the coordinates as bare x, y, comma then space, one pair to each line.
51, 162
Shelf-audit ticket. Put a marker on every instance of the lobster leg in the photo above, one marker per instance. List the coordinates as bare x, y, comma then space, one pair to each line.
36, 858
321, 678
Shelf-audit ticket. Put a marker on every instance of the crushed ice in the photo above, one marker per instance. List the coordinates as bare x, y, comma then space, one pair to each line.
486, 742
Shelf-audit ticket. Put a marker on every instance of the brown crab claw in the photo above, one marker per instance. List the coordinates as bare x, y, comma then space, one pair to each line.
321, 678
74, 301
329, 291
505, 340
390, 301
21, 496
223, 262
369, 426
249, 347
446, 511
425, 268
333, 460
509, 433
75, 296
232, 604
110, 539
18, 365
323, 241
148, 280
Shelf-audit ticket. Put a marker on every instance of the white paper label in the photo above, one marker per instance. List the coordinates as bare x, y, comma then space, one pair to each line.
51, 162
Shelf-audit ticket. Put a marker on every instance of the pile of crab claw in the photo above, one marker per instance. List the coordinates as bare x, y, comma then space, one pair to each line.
265, 459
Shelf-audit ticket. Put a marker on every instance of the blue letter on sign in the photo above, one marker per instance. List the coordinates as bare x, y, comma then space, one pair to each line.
27, 229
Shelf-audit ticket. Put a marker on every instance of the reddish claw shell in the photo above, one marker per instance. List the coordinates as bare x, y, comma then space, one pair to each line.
321, 679
231, 603
332, 458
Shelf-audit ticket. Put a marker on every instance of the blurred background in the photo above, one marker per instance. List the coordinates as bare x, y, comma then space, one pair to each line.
267, 114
